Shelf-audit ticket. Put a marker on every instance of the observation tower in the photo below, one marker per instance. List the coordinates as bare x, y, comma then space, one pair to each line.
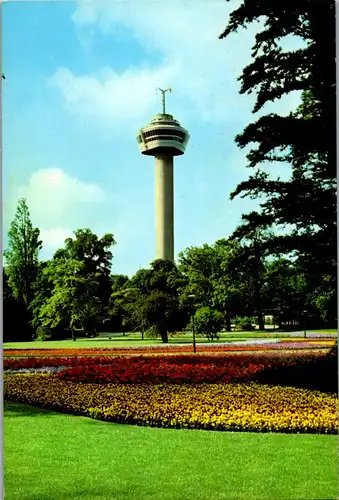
163, 138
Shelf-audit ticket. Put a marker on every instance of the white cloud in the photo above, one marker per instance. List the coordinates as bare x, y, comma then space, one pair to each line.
58, 202
112, 97
201, 69
53, 195
54, 238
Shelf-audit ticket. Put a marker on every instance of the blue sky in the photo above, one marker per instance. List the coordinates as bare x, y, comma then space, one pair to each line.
81, 79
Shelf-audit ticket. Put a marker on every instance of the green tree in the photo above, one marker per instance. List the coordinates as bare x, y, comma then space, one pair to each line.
73, 289
22, 254
286, 291
324, 298
73, 302
115, 314
15, 316
119, 282
199, 266
43, 288
208, 322
219, 278
253, 262
305, 138
156, 305
134, 311
96, 255
231, 294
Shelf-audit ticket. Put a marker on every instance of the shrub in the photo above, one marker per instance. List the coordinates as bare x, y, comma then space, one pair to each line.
268, 320
152, 333
43, 334
243, 323
208, 322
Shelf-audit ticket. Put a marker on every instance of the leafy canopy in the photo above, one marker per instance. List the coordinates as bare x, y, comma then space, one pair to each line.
305, 138
21, 256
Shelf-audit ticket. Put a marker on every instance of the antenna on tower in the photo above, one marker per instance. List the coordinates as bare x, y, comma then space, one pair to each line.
163, 92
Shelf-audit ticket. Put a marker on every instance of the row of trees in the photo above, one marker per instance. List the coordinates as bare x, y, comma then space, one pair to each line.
280, 260
75, 291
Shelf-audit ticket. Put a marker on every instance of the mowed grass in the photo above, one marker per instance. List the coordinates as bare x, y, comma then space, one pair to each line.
134, 340
60, 457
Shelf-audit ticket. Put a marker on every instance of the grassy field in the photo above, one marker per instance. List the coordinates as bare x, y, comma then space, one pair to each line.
61, 457
133, 340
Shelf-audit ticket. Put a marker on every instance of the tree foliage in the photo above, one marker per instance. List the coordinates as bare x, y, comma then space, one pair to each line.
222, 278
21, 256
151, 300
16, 317
73, 302
73, 288
305, 138
208, 322
96, 255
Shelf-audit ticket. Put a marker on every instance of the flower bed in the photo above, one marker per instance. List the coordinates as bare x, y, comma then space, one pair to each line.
155, 371
179, 368
33, 362
244, 407
37, 362
311, 370
193, 368
310, 342
163, 348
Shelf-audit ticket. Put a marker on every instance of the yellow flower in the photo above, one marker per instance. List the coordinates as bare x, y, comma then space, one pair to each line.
250, 406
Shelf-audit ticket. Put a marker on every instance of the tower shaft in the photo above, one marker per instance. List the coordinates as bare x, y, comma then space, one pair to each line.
164, 207
163, 137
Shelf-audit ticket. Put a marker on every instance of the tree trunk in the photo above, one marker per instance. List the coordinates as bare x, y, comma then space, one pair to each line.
142, 334
73, 336
261, 321
228, 323
164, 336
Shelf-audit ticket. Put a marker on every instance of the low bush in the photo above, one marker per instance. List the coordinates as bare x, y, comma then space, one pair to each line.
208, 322
244, 324
43, 334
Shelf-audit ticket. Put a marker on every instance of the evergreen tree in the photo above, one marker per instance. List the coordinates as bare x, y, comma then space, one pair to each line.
20, 273
305, 138
21, 257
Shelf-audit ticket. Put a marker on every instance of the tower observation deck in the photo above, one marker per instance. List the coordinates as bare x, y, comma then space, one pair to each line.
163, 138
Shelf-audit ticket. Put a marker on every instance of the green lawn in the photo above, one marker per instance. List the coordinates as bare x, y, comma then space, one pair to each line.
327, 331
133, 340
61, 457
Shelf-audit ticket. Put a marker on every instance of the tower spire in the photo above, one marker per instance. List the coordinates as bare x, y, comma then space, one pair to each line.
163, 92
